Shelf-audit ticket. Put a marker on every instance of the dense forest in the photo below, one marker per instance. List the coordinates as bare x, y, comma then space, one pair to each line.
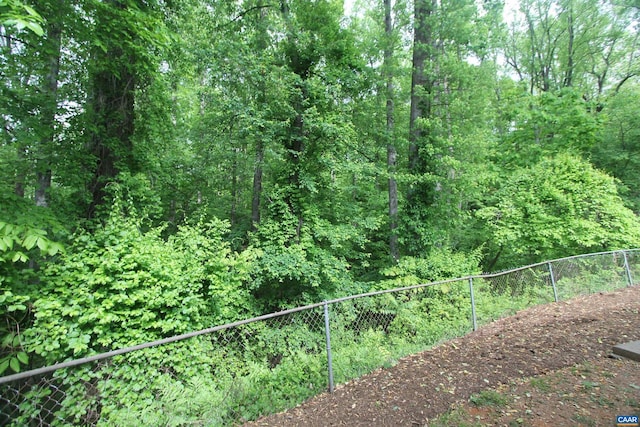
169, 165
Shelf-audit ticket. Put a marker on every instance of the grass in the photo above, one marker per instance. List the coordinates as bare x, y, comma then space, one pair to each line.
541, 384
590, 385
455, 418
583, 420
489, 398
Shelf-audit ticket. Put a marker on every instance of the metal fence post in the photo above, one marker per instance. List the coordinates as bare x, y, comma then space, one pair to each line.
473, 305
627, 269
553, 283
328, 336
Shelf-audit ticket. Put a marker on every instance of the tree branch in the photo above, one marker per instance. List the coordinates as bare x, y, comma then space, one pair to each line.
245, 12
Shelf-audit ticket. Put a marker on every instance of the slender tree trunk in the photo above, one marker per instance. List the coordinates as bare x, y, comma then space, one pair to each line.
257, 183
49, 109
259, 159
391, 149
568, 78
420, 105
18, 187
43, 182
233, 214
296, 148
296, 141
534, 48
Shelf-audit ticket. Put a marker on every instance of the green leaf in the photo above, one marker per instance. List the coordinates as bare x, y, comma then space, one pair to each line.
4, 364
22, 357
16, 307
8, 242
6, 340
14, 364
54, 248
42, 243
36, 28
19, 256
30, 241
31, 11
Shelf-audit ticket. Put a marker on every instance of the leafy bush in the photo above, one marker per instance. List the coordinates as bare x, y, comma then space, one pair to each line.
293, 270
558, 207
24, 243
118, 286
439, 264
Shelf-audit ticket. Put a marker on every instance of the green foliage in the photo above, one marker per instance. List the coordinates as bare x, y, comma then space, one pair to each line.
197, 401
440, 264
506, 295
558, 207
17, 240
238, 374
12, 354
550, 123
617, 154
23, 243
119, 286
25, 230
291, 270
588, 275
14, 13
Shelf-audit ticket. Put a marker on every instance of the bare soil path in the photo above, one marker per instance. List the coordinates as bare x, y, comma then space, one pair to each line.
549, 365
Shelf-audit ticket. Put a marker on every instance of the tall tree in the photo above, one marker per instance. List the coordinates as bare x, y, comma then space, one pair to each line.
585, 44
261, 45
420, 80
31, 108
389, 47
122, 62
49, 103
453, 45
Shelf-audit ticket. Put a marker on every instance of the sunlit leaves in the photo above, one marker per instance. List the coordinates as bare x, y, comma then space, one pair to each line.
118, 286
558, 207
14, 13
13, 237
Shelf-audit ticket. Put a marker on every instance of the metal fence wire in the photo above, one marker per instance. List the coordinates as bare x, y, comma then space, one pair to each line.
233, 373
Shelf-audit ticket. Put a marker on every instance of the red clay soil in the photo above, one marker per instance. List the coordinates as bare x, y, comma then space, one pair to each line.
544, 342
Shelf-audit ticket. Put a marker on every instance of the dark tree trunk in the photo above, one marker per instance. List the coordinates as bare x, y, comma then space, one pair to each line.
420, 105
295, 145
112, 107
391, 149
257, 184
49, 108
259, 159
18, 187
568, 77
295, 149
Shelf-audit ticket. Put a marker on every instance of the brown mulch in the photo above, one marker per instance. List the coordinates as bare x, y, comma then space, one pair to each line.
540, 341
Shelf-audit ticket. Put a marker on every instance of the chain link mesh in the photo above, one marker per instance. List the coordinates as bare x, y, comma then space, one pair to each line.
503, 295
590, 273
222, 378
232, 375
375, 331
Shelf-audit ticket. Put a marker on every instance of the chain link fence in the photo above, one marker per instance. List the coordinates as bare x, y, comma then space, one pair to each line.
233, 373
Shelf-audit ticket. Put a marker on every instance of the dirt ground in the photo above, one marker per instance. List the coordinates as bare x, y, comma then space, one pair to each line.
550, 365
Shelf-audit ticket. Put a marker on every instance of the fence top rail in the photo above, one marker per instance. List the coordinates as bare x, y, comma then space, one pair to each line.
175, 338
474, 276
76, 362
